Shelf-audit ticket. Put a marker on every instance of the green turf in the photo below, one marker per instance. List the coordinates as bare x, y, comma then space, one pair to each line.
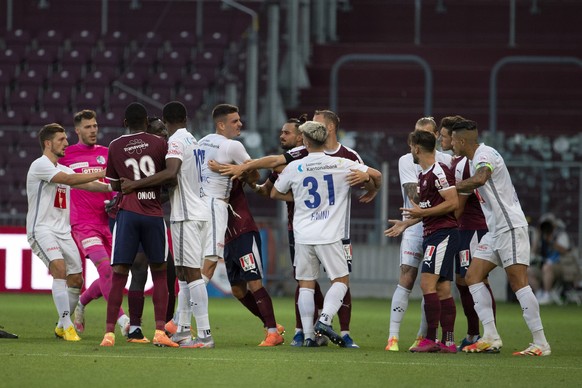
37, 359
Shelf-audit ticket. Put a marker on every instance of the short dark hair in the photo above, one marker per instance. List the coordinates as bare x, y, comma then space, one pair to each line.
301, 120
222, 110
48, 132
448, 121
174, 112
136, 115
85, 114
464, 124
424, 139
329, 116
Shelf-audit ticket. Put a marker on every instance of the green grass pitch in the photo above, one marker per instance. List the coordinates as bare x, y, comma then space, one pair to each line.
38, 359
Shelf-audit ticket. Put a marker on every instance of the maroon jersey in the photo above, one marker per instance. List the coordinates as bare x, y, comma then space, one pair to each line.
472, 217
136, 156
240, 220
438, 177
346, 152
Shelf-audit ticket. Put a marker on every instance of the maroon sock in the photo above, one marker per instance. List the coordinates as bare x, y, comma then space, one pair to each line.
344, 314
432, 310
135, 301
493, 306
298, 323
172, 281
118, 282
318, 298
265, 305
251, 304
160, 297
469, 310
448, 315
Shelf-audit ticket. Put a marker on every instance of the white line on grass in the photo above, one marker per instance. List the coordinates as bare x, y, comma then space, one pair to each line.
277, 360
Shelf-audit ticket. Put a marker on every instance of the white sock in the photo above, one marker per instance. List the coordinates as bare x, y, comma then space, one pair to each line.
74, 293
199, 306
332, 302
484, 309
397, 309
61, 300
423, 328
531, 314
306, 304
183, 309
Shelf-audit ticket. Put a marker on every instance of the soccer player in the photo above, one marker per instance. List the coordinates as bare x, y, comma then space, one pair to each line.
221, 148
319, 186
472, 227
411, 251
437, 202
506, 244
48, 227
140, 219
189, 223
244, 265
89, 221
291, 141
356, 178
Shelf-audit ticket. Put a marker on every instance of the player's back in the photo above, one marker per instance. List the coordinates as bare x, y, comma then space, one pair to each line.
185, 198
136, 156
86, 206
322, 197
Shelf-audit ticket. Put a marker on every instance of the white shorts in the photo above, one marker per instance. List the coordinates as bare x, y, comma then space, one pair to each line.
508, 248
411, 252
49, 247
331, 256
214, 244
187, 237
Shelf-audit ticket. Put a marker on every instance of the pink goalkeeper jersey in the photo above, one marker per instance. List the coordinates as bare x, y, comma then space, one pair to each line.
87, 207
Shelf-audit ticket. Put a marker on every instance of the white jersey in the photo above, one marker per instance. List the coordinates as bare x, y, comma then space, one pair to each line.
498, 198
322, 197
222, 150
49, 204
408, 172
185, 197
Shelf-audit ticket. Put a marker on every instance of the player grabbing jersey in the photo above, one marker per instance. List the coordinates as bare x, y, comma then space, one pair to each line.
319, 186
505, 245
48, 227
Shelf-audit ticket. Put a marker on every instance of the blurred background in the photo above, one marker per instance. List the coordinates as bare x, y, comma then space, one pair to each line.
513, 66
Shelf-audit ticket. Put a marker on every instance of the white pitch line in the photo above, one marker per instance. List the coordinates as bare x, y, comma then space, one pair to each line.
277, 360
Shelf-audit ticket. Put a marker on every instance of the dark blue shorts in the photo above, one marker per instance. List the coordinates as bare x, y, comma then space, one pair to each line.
132, 229
242, 257
440, 249
467, 238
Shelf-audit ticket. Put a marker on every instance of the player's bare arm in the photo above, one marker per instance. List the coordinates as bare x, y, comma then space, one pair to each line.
463, 197
95, 186
276, 194
372, 185
168, 176
411, 190
399, 226
481, 176
236, 171
77, 179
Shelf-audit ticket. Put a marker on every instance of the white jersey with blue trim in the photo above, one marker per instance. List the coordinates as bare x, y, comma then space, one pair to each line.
225, 151
322, 197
